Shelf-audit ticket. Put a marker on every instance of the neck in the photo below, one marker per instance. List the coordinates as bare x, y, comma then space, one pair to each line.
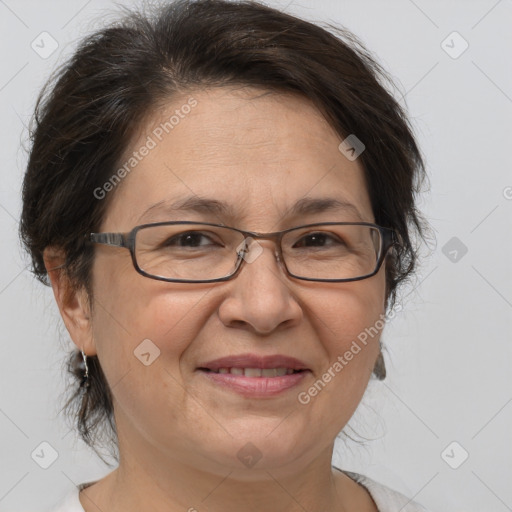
148, 478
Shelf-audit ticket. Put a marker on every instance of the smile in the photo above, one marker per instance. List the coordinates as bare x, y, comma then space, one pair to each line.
255, 382
255, 372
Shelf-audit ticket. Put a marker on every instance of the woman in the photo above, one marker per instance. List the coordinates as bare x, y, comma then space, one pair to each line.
222, 197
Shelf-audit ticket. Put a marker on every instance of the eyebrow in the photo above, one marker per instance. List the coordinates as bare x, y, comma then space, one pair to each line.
308, 205
304, 206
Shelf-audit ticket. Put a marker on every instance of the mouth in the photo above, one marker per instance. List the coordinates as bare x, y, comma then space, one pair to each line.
254, 372
252, 386
254, 365
254, 376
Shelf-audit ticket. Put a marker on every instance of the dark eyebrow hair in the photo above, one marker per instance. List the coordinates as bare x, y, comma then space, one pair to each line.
304, 206
310, 205
194, 204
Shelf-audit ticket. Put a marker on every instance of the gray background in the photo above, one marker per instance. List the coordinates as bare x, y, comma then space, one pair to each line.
449, 351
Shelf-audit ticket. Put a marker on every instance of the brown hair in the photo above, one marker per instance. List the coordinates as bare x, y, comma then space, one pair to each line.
89, 110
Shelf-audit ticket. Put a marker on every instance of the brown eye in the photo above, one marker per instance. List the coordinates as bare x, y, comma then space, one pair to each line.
189, 239
319, 239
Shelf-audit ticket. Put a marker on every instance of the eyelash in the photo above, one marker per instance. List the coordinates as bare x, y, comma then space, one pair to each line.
182, 236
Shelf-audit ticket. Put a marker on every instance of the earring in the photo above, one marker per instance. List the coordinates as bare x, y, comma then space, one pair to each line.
85, 379
379, 369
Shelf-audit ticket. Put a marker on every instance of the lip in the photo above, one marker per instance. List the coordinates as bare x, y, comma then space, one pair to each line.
255, 361
256, 387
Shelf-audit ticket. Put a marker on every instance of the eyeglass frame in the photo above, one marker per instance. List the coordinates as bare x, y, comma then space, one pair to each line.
126, 240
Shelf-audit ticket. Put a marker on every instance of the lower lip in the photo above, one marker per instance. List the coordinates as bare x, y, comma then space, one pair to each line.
255, 387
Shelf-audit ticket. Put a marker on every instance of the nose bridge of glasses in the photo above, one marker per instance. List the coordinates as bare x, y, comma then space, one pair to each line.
254, 244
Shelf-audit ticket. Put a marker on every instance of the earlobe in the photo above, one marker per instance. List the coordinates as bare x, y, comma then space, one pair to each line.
73, 302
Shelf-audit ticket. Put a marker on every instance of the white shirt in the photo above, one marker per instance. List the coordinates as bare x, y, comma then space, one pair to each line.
386, 499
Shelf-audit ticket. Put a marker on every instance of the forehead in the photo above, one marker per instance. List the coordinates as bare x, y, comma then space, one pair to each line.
256, 152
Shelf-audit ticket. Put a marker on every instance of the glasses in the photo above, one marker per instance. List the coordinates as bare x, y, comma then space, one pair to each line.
192, 252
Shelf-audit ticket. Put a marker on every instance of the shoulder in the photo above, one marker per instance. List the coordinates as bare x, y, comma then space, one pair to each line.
71, 501
386, 499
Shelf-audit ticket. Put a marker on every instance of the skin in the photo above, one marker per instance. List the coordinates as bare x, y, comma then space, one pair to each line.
179, 434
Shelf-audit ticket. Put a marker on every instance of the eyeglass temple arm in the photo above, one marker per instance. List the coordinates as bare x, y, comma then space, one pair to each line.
116, 239
392, 238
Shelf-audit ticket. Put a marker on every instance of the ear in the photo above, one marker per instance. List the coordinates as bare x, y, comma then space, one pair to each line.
73, 303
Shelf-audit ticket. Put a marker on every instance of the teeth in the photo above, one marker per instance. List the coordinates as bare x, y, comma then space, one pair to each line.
252, 372
257, 372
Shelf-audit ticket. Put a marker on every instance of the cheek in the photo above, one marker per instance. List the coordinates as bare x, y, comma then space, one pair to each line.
135, 316
145, 321
344, 313
348, 322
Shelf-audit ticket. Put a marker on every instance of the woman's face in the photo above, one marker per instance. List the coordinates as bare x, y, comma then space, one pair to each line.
258, 154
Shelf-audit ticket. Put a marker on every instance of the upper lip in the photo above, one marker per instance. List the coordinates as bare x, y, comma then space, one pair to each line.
255, 361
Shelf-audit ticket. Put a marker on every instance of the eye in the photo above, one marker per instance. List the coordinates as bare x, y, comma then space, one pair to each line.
318, 239
190, 239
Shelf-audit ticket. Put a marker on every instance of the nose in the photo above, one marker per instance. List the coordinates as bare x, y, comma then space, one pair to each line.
260, 298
